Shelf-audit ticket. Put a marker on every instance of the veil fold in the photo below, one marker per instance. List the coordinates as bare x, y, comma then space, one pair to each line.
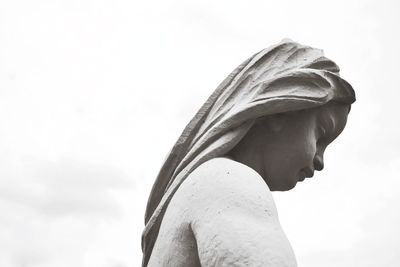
284, 77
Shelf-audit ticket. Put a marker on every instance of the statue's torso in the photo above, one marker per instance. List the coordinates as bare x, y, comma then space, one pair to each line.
176, 243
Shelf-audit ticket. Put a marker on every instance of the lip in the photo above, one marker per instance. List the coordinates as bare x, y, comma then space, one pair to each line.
302, 176
304, 173
309, 172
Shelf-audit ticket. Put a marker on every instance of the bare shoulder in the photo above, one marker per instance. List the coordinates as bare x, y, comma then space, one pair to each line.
228, 204
222, 185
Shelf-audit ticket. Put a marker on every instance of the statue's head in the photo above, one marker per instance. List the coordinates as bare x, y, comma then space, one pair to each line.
285, 148
269, 113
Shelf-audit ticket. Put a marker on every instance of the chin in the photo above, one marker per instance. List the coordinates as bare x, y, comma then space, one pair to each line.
286, 186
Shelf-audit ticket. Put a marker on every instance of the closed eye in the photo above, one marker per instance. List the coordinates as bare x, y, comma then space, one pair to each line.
322, 132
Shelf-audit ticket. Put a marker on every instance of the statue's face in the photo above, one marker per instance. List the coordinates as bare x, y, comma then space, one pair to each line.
287, 148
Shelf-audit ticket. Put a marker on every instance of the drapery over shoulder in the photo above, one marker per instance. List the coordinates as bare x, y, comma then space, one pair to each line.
285, 77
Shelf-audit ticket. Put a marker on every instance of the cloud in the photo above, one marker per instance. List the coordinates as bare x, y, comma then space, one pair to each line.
67, 187
51, 210
376, 247
73, 187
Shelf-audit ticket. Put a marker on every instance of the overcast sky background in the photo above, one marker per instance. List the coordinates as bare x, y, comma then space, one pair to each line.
94, 93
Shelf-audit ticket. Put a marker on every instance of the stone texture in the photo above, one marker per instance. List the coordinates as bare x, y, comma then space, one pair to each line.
222, 215
283, 78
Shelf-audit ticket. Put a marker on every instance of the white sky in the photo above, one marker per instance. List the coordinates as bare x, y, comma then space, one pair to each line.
93, 94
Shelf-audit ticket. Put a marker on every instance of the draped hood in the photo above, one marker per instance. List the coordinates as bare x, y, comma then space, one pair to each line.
282, 78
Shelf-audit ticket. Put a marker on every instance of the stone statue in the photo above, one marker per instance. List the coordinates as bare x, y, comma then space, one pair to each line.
265, 128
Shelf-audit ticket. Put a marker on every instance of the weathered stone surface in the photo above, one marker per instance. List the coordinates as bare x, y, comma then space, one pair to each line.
222, 215
265, 127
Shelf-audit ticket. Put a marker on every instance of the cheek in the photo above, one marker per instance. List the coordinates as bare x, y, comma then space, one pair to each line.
303, 155
293, 159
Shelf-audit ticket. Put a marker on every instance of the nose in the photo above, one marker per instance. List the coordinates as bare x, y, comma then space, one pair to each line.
318, 162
